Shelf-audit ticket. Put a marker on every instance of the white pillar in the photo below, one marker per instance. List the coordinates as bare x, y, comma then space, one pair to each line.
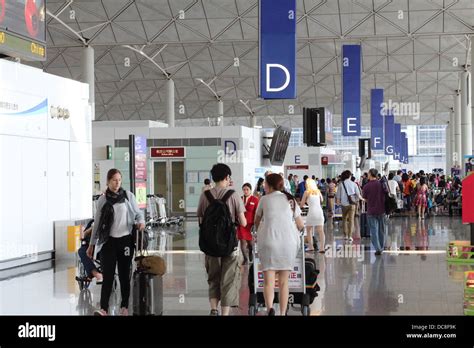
471, 86
448, 148
452, 126
87, 75
220, 111
466, 117
170, 102
253, 121
457, 129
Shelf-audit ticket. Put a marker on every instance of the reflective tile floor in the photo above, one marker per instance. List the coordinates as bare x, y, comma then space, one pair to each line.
412, 276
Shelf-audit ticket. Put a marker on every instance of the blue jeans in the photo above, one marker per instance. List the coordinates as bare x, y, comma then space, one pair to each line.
377, 230
88, 264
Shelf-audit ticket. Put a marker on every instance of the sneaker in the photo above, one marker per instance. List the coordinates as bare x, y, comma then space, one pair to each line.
214, 313
271, 312
346, 238
351, 240
378, 253
124, 312
100, 313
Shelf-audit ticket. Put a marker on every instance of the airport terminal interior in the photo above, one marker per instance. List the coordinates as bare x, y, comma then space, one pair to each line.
130, 112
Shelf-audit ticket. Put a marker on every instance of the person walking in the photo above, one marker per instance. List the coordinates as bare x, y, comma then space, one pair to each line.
291, 179
302, 187
374, 194
421, 200
345, 196
331, 196
223, 273
244, 233
315, 217
259, 188
117, 213
278, 239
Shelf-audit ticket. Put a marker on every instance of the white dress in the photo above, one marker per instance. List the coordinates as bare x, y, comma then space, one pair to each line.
315, 215
278, 237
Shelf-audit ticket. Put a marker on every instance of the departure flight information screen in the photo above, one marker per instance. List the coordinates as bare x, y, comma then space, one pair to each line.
23, 29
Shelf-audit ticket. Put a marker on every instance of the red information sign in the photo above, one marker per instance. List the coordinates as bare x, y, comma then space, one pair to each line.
167, 152
468, 199
301, 167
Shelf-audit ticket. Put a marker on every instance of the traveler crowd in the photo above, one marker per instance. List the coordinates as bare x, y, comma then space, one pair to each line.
273, 215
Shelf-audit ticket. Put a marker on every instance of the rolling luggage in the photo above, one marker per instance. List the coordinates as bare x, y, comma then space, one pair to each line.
147, 294
147, 287
364, 226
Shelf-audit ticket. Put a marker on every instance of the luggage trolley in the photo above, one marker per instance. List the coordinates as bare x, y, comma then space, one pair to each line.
297, 283
156, 206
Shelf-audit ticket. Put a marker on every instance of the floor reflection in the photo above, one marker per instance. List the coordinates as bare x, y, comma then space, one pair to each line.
411, 277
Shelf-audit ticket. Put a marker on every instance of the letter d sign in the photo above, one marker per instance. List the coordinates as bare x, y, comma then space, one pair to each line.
277, 49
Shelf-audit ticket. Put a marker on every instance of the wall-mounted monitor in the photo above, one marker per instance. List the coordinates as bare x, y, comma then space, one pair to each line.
23, 29
317, 127
280, 141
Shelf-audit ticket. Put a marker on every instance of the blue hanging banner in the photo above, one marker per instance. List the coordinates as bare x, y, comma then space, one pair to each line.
397, 150
389, 139
277, 52
351, 90
404, 145
376, 119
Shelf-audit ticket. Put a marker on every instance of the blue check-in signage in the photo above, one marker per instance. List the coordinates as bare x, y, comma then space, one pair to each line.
351, 90
404, 147
389, 138
277, 49
397, 135
376, 119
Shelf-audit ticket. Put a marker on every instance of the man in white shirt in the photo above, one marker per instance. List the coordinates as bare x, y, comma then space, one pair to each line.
345, 189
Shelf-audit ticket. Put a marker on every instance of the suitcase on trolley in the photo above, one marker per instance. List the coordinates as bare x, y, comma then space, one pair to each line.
147, 288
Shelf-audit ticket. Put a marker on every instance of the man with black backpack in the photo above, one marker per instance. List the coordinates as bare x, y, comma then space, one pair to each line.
219, 210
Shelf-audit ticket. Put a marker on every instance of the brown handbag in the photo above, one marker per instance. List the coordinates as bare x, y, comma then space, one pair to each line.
153, 264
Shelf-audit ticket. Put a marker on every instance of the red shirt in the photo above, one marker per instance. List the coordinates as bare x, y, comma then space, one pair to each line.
251, 203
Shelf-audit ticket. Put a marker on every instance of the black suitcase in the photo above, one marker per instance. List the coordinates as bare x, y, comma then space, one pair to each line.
147, 294
364, 226
363, 223
147, 288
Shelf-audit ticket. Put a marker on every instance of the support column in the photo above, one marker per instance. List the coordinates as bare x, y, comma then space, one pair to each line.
457, 129
253, 121
466, 118
451, 122
87, 75
170, 103
448, 148
220, 111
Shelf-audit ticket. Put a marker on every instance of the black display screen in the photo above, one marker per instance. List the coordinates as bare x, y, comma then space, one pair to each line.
280, 141
25, 18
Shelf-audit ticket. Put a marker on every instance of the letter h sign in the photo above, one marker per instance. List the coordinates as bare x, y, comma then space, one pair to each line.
277, 51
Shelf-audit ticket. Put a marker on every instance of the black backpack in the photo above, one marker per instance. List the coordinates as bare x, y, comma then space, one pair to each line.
217, 232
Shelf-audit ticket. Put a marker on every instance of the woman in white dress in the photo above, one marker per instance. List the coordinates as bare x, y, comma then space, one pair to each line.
277, 238
315, 218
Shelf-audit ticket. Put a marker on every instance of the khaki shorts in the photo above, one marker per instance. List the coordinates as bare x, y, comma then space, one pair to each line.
224, 278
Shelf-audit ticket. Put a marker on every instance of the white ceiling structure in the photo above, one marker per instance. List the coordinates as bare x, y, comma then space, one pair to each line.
414, 49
